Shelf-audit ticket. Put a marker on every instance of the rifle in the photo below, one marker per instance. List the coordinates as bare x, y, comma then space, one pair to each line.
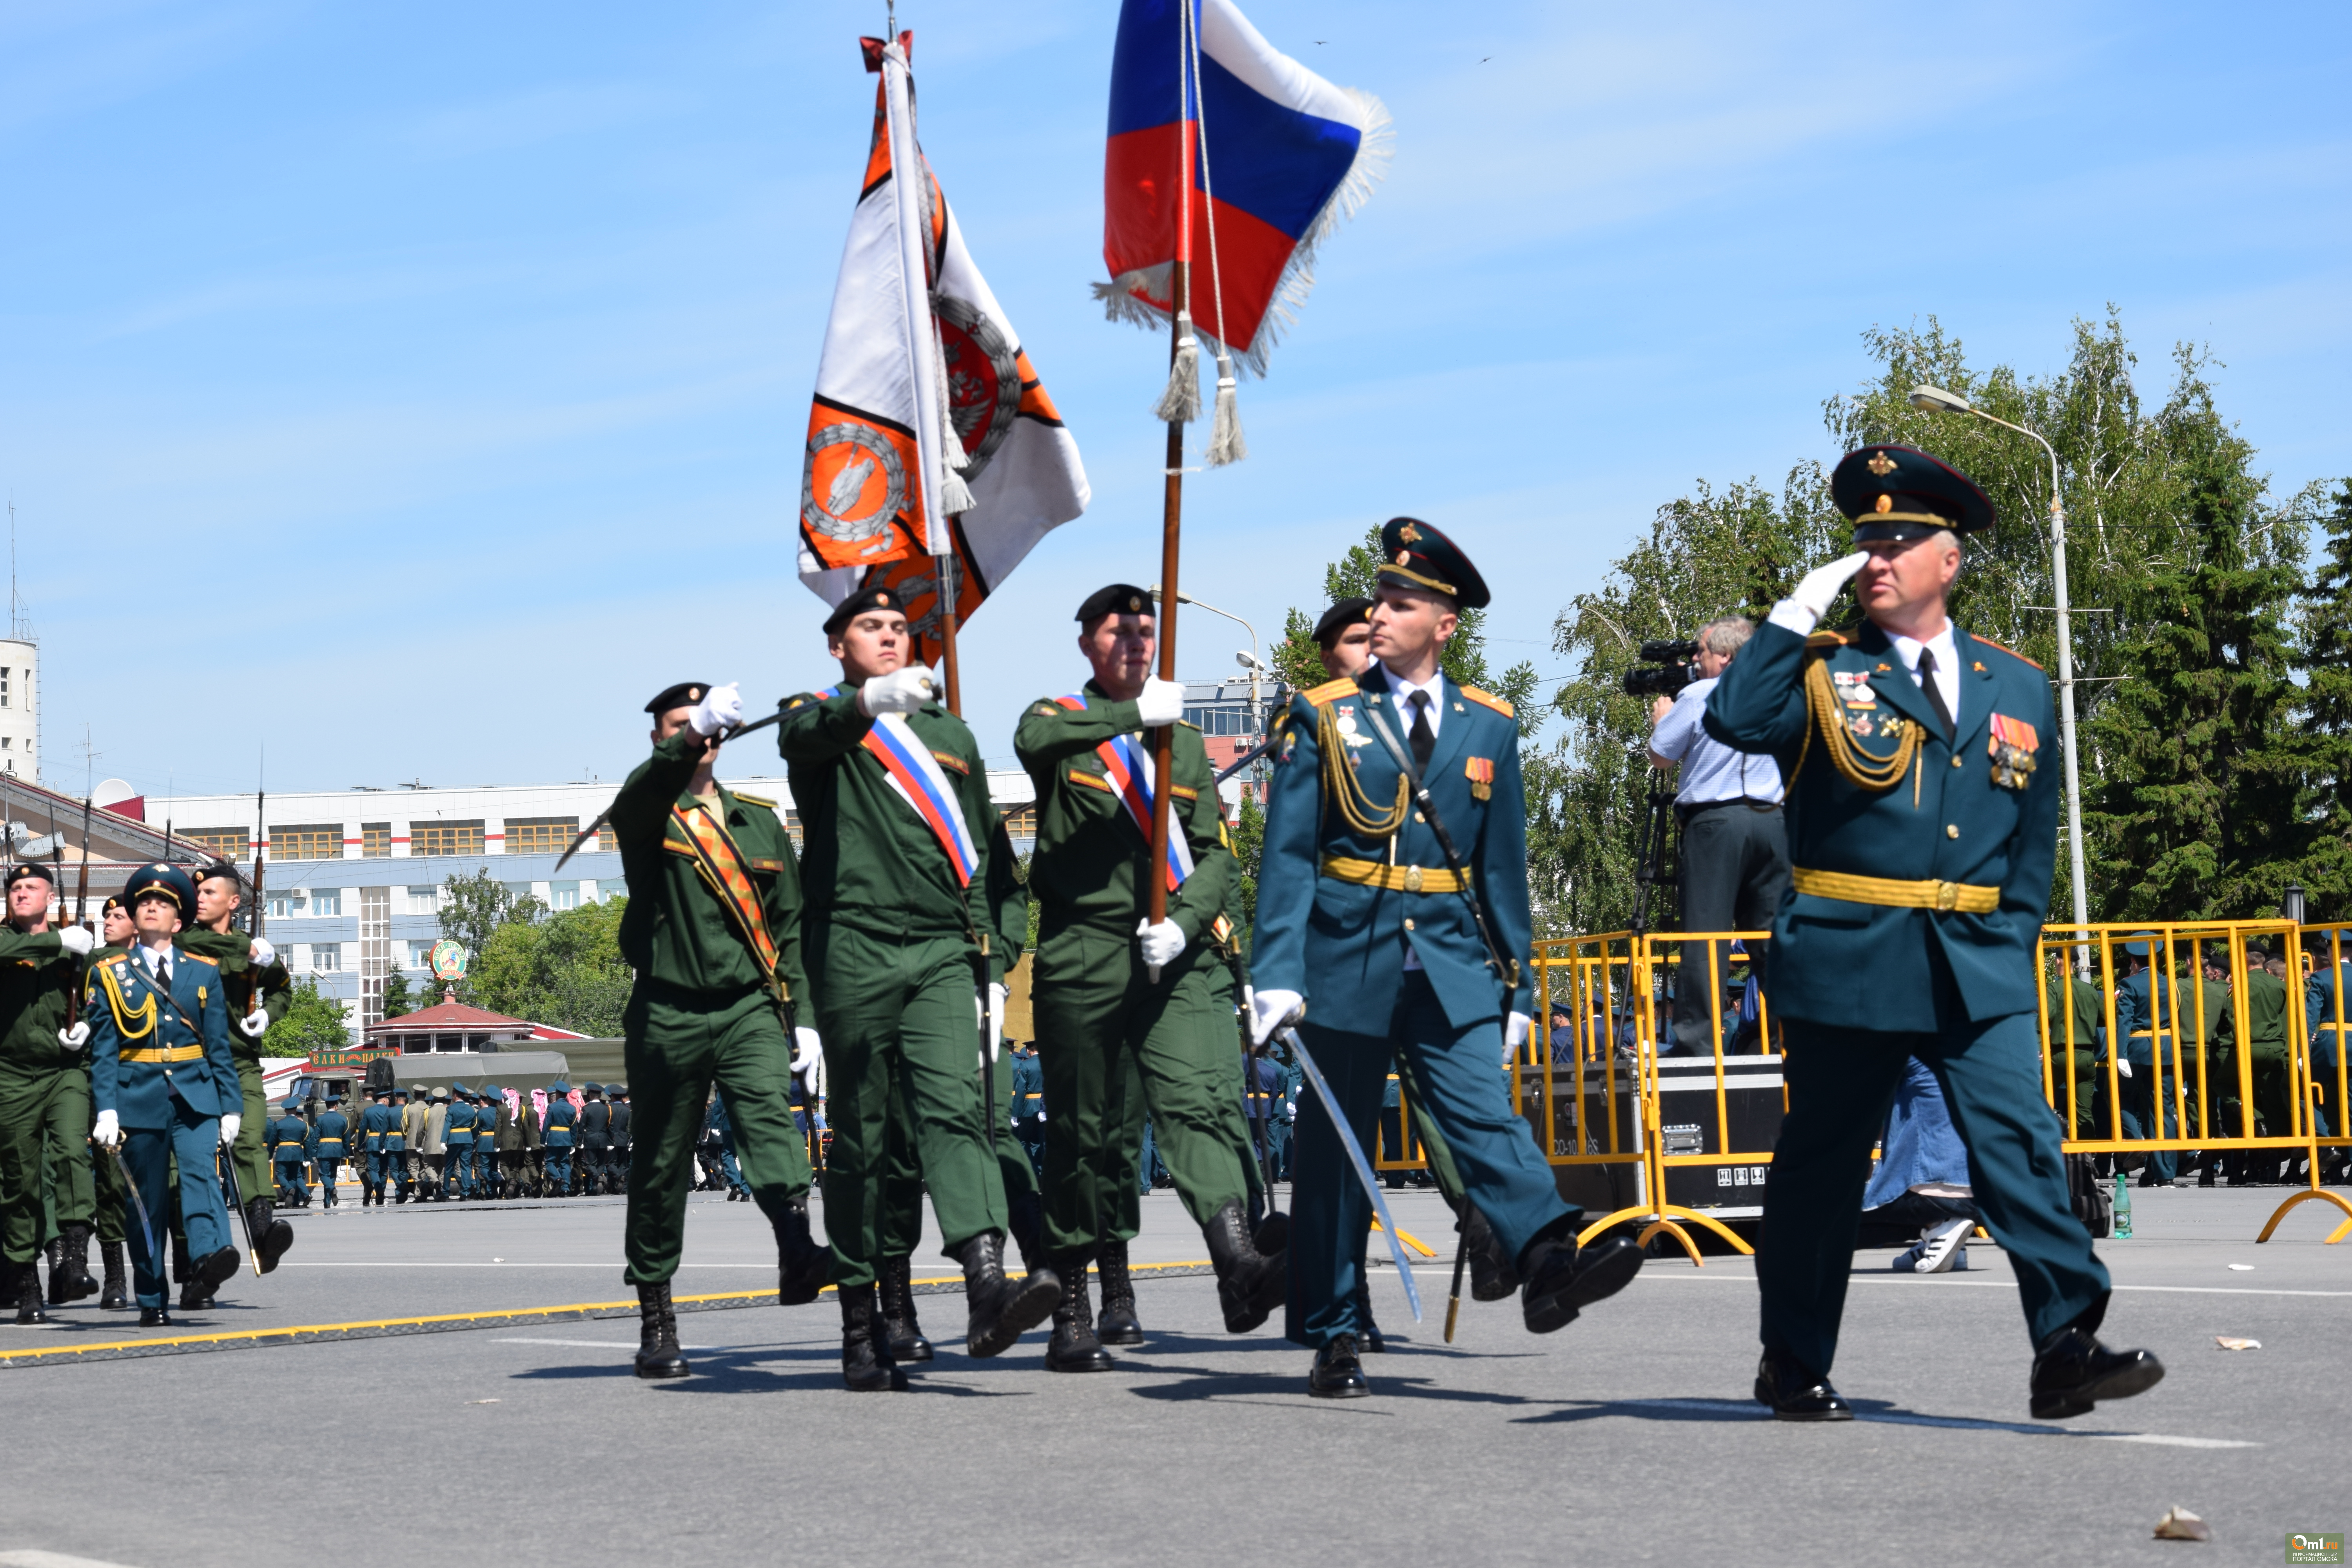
253, 916
605, 816
81, 883
57, 880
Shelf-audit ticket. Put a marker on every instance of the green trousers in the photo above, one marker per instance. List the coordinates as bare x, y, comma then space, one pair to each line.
902, 1184
251, 1156
1098, 1015
44, 1135
897, 1017
677, 1043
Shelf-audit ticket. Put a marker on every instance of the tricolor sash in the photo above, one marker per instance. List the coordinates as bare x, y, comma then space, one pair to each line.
1129, 769
724, 870
919, 780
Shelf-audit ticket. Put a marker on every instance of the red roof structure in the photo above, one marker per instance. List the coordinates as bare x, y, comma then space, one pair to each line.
454, 1026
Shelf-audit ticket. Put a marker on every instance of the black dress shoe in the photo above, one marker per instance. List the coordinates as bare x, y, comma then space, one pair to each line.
2073, 1372
215, 1269
1338, 1374
1795, 1393
1492, 1277
1564, 1278
155, 1318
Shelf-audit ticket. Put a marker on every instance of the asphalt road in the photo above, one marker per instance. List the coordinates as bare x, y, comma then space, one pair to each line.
1626, 1437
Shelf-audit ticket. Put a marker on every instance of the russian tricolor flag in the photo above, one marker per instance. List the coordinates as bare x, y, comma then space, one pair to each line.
1231, 156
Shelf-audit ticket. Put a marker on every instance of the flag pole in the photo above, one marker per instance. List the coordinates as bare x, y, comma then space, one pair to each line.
947, 591
1172, 528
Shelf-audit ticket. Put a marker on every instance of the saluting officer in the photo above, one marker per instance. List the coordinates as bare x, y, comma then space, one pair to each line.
1111, 990
1922, 837
165, 1081
260, 990
1364, 925
713, 930
44, 1099
896, 816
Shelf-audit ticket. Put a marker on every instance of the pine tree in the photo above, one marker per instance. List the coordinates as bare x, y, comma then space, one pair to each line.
2326, 871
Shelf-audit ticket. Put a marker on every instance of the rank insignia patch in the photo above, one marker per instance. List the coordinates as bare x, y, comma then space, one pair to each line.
1480, 770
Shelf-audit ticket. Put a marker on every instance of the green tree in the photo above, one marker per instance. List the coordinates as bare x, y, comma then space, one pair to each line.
1249, 833
398, 1000
565, 970
2326, 871
476, 907
313, 1022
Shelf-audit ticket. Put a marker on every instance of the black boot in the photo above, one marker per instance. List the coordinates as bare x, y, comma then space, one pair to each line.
1002, 1310
1492, 1277
896, 1290
24, 1280
73, 1281
800, 1262
658, 1351
1250, 1284
1119, 1325
1338, 1374
1563, 1279
1373, 1343
271, 1235
2073, 1372
1074, 1347
867, 1366
115, 1295
1025, 1218
1797, 1392
56, 1274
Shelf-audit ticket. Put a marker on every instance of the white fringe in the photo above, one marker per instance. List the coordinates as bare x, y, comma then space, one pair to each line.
1373, 156
1225, 442
1181, 404
955, 496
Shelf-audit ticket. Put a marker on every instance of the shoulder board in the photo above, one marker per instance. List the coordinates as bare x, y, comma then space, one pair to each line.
2011, 651
1046, 711
755, 800
200, 958
1187, 724
1490, 698
802, 701
112, 959
1329, 692
1826, 642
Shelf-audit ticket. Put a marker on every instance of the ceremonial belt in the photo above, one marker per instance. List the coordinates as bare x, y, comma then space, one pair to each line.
722, 868
1926, 894
1395, 879
915, 777
1129, 771
156, 1054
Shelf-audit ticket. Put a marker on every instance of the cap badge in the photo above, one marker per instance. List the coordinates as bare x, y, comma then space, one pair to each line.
1879, 463
1135, 604
694, 694
1404, 557
1886, 503
1409, 533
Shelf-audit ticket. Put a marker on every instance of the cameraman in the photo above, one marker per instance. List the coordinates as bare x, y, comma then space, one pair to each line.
1734, 850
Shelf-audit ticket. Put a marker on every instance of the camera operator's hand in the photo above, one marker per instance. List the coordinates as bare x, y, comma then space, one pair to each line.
1659, 708
1802, 610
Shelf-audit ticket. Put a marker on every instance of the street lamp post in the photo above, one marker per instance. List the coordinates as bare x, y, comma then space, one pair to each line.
1249, 662
1936, 400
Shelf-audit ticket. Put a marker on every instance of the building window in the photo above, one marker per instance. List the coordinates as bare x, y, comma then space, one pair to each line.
6, 690
326, 900
375, 840
446, 838
326, 956
519, 891
424, 900
376, 950
1021, 822
608, 839
420, 954
564, 895
613, 888
223, 843
319, 841
541, 834
281, 904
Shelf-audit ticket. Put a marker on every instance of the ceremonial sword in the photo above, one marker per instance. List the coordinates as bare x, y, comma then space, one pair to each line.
605, 816
1363, 1166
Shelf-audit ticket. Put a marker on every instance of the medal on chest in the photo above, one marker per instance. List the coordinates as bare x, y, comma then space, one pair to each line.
2012, 745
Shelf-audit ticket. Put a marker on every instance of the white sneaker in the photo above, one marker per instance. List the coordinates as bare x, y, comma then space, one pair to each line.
1940, 1251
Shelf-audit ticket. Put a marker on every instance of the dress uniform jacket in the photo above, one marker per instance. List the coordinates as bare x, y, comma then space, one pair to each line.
1957, 825
331, 1136
1339, 938
289, 1140
143, 1052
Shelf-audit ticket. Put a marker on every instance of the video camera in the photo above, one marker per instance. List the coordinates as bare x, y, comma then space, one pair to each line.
1665, 668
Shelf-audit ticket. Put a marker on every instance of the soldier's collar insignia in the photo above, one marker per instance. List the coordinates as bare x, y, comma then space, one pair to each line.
1882, 464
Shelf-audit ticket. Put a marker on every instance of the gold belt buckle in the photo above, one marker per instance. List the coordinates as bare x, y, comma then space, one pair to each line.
1948, 896
1412, 879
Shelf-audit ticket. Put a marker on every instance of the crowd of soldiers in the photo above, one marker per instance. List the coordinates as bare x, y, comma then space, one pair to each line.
456, 1144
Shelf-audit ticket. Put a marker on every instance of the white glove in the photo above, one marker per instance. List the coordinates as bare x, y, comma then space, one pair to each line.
995, 1021
1162, 943
1515, 1031
1162, 702
263, 955
254, 1025
2122, 1067
77, 941
721, 707
1269, 1010
808, 1050
73, 1039
109, 1132
903, 691
1802, 610
229, 1126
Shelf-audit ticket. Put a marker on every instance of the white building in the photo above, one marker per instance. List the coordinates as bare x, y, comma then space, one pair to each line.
20, 713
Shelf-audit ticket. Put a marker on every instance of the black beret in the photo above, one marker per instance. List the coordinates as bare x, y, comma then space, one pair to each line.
113, 902
685, 694
1338, 618
211, 869
1118, 599
882, 598
1416, 554
27, 868
1901, 492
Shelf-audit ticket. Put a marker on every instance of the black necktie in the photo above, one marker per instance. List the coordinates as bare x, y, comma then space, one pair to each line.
1935, 692
1424, 738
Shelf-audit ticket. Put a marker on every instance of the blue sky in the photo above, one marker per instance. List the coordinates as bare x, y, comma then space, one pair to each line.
440, 371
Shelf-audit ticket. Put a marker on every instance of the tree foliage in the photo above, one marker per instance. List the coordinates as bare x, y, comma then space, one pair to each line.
313, 1022
471, 913
565, 970
2325, 869
399, 1001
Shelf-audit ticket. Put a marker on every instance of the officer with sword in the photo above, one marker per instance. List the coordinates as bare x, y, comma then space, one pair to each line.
1393, 919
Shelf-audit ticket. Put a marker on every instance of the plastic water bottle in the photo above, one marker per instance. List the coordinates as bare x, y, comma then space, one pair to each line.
2123, 1208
